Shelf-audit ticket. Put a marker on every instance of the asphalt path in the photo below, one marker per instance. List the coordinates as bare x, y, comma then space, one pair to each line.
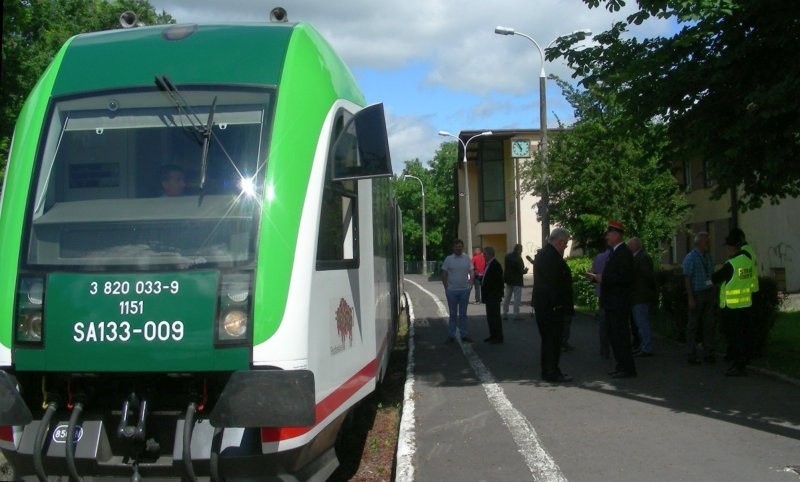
479, 412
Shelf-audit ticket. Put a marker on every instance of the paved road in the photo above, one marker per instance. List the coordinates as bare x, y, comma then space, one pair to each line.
481, 413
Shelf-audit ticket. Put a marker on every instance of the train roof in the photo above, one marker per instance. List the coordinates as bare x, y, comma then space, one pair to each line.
245, 54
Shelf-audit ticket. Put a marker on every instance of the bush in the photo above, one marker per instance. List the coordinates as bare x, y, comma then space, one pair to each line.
766, 305
671, 303
582, 288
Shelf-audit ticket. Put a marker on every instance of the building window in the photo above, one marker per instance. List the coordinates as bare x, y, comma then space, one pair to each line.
708, 179
687, 176
492, 187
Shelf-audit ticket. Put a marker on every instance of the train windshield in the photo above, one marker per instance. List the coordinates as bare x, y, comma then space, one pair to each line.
140, 180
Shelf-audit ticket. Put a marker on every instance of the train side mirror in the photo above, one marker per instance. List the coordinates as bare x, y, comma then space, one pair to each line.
362, 149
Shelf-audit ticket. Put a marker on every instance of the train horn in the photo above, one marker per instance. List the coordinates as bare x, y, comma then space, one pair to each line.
127, 19
278, 14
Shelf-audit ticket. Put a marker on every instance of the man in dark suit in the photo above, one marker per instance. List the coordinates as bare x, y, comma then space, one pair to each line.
552, 301
616, 284
492, 294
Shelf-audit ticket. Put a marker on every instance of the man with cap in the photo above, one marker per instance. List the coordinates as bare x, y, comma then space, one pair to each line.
735, 298
616, 282
737, 236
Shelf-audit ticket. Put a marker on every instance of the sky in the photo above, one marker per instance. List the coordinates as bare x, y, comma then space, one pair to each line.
437, 65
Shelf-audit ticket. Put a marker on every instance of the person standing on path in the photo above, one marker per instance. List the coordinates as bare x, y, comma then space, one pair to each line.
552, 301
738, 237
479, 263
492, 294
616, 283
598, 264
644, 294
735, 300
512, 275
457, 277
697, 271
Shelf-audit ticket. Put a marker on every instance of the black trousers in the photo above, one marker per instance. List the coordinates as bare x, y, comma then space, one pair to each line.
493, 317
741, 335
551, 329
619, 323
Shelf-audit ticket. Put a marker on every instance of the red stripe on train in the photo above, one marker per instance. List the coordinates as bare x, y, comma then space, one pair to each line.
326, 406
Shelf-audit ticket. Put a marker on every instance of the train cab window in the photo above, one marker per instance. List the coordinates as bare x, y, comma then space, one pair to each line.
99, 199
337, 242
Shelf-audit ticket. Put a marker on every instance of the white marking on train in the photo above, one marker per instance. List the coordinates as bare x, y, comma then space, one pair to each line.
540, 463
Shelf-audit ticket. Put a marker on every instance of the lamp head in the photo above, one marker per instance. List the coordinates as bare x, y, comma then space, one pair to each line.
500, 30
444, 133
486, 133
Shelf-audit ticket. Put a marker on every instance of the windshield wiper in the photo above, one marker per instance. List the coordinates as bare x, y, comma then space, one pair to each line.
206, 144
165, 85
203, 133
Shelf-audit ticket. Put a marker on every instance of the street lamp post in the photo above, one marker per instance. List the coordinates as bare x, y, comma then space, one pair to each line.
424, 240
545, 194
466, 182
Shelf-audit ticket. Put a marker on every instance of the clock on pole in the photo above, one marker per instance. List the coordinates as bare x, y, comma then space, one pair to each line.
520, 148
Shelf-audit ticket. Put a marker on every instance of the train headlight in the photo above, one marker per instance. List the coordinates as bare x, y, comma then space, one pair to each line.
36, 293
29, 313
233, 320
29, 327
234, 324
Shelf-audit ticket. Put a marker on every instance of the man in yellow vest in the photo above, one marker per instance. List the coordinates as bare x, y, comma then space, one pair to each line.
735, 298
740, 239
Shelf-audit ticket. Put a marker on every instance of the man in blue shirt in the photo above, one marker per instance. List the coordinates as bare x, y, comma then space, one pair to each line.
697, 270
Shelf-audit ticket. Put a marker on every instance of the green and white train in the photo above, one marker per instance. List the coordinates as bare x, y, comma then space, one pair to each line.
222, 333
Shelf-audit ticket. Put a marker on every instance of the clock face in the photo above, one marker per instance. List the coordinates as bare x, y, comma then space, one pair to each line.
520, 148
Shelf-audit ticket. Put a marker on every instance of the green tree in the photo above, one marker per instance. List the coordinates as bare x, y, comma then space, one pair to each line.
724, 85
599, 170
440, 210
34, 30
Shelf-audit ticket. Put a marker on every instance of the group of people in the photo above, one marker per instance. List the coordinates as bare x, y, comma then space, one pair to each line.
625, 285
737, 280
491, 282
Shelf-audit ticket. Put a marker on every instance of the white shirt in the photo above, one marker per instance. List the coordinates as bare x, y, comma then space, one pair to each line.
458, 270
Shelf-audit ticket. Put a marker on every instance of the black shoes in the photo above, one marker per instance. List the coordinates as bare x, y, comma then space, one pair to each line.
466, 339
735, 372
620, 374
693, 360
558, 379
643, 354
493, 341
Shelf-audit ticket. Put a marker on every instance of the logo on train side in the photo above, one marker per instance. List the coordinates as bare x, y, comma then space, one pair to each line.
60, 434
344, 327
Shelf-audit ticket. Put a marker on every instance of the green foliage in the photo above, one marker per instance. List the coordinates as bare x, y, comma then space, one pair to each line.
440, 210
582, 289
783, 349
600, 169
766, 306
34, 30
721, 86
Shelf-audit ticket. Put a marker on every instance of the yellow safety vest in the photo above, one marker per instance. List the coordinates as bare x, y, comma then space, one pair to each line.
749, 250
737, 292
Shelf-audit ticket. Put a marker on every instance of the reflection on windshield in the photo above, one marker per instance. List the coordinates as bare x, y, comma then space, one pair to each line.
120, 181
